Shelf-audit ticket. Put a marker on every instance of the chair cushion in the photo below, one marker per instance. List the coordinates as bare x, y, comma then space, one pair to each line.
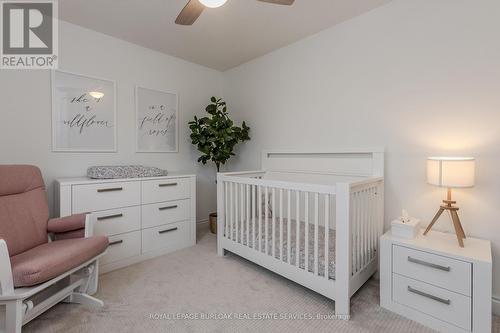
15, 179
49, 260
24, 211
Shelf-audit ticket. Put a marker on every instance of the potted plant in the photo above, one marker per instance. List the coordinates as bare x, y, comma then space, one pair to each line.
215, 136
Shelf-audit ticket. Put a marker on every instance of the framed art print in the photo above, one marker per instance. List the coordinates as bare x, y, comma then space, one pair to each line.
83, 113
156, 121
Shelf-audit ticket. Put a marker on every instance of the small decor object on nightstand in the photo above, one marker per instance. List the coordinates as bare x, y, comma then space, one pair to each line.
450, 172
405, 226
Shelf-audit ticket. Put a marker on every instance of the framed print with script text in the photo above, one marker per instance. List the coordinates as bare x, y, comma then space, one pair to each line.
157, 121
83, 113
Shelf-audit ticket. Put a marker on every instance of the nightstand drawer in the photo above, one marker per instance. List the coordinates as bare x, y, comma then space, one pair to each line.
442, 304
444, 272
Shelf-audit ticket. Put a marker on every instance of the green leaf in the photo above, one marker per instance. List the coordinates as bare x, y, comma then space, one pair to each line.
215, 136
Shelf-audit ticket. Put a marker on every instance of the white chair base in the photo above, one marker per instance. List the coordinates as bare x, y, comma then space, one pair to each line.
24, 304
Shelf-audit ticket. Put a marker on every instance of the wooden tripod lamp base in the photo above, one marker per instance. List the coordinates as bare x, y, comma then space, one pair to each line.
453, 210
450, 172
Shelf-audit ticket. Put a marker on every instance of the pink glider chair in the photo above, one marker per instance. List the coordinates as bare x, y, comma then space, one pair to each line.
42, 261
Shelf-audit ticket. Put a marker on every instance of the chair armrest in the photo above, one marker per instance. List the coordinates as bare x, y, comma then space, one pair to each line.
65, 224
74, 226
6, 281
89, 226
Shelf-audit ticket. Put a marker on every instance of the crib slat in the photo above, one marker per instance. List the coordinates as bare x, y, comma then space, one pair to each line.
306, 234
355, 233
273, 225
360, 217
327, 236
373, 215
247, 220
316, 233
259, 198
281, 224
231, 205
226, 209
358, 231
242, 212
288, 226
266, 222
362, 229
370, 232
253, 216
236, 211
297, 229
365, 228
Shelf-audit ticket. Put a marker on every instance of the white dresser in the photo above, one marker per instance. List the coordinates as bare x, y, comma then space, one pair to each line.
430, 279
143, 217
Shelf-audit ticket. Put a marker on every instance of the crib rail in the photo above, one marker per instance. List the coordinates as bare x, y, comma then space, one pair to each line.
328, 232
276, 218
366, 221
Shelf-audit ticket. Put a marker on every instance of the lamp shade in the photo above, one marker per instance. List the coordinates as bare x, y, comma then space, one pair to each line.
451, 171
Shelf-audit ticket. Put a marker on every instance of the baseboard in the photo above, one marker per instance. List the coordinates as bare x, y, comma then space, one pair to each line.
202, 221
496, 305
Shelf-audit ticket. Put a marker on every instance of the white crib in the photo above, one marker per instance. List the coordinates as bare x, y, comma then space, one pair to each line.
262, 216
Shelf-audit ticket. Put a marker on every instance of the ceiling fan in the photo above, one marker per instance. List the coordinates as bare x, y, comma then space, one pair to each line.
194, 8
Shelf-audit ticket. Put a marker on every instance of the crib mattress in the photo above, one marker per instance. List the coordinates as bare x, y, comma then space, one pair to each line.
254, 240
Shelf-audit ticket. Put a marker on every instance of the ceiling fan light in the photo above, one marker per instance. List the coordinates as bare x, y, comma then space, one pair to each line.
212, 3
96, 94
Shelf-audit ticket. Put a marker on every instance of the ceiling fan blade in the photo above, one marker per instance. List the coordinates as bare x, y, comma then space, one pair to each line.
190, 13
279, 2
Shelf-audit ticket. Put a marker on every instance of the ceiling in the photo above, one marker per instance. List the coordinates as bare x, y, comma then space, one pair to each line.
221, 38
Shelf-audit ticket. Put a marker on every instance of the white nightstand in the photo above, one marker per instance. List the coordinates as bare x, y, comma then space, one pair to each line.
430, 279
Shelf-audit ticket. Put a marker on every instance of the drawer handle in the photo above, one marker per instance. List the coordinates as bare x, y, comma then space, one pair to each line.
167, 230
116, 242
167, 184
112, 189
429, 264
100, 218
424, 294
167, 207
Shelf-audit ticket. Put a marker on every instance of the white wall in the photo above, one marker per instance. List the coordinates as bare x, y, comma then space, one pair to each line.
419, 78
25, 108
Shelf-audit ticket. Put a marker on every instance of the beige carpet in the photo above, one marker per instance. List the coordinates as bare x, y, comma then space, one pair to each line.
195, 281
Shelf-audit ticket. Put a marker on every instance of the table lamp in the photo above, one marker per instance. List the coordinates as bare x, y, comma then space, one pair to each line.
450, 172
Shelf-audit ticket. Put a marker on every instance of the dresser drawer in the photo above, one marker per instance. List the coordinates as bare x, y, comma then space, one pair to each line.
103, 196
444, 272
116, 221
170, 236
165, 212
440, 303
123, 246
165, 190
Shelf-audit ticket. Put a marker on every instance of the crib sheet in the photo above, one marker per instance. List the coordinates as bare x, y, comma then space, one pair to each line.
293, 241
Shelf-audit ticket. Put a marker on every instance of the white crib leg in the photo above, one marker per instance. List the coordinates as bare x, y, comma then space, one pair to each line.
343, 251
342, 307
13, 316
221, 214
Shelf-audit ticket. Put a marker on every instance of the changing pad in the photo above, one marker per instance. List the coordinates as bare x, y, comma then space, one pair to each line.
124, 171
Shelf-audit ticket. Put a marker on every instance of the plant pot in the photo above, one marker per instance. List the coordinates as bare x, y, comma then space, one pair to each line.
212, 219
